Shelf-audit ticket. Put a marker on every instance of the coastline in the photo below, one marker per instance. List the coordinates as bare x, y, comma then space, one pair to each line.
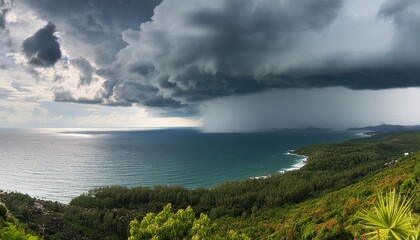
296, 166
91, 157
365, 134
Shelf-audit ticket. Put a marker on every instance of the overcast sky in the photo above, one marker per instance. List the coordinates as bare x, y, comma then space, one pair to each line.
225, 65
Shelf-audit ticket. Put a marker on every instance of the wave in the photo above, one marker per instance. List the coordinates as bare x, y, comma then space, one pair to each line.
297, 165
362, 134
260, 177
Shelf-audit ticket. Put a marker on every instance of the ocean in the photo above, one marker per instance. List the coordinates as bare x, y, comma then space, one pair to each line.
59, 164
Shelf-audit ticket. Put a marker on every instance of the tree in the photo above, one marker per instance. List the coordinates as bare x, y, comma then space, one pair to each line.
10, 231
168, 225
3, 210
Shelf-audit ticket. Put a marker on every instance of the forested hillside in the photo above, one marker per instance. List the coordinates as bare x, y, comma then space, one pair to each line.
332, 215
317, 201
11, 228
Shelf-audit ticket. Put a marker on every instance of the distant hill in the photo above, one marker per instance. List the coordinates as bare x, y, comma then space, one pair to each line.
388, 128
308, 128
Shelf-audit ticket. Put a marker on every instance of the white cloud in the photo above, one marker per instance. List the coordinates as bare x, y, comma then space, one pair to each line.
136, 119
15, 114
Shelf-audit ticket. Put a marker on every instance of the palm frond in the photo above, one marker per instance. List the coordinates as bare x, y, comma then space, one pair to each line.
390, 218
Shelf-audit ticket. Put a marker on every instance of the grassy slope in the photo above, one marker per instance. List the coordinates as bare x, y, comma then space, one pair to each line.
331, 216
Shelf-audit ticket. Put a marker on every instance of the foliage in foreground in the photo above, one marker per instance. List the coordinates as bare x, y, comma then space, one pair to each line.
168, 225
391, 218
10, 228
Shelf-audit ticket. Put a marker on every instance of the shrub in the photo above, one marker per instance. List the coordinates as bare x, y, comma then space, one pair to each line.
168, 225
3, 210
391, 218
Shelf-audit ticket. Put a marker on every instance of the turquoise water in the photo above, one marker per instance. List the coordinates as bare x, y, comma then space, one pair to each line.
59, 164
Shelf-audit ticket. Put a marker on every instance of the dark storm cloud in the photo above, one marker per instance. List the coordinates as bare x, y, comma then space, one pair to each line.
118, 92
3, 11
146, 94
97, 22
192, 51
195, 52
85, 68
97, 15
406, 18
42, 49
390, 8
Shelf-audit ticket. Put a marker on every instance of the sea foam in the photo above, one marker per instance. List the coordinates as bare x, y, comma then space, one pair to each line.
297, 165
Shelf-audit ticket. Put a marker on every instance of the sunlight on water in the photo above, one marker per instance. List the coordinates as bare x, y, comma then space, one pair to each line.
77, 135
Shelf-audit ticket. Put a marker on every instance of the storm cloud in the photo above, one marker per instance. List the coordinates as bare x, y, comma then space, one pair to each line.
42, 49
193, 52
95, 25
3, 11
174, 54
86, 70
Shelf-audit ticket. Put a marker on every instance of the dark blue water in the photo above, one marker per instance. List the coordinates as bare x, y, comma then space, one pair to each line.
60, 164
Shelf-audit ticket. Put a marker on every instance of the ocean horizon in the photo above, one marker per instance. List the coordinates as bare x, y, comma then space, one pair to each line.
62, 163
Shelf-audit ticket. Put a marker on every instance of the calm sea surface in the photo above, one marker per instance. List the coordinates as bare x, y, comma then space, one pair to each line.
59, 164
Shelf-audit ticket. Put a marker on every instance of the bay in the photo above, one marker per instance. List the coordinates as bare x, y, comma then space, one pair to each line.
59, 164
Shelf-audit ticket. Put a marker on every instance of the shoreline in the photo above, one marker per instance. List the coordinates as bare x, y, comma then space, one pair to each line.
364, 134
301, 162
298, 164
64, 190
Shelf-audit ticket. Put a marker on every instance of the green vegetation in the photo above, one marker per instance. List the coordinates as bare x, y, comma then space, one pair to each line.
3, 210
183, 224
391, 218
11, 228
319, 201
332, 215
